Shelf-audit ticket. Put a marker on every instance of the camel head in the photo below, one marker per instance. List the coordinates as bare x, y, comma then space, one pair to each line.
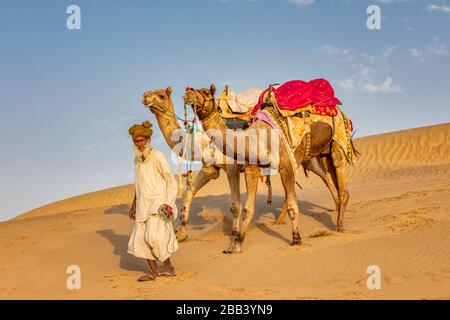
201, 100
158, 101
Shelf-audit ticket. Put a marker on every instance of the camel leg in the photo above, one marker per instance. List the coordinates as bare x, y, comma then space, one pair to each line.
328, 180
252, 174
206, 174
233, 175
288, 180
280, 219
339, 164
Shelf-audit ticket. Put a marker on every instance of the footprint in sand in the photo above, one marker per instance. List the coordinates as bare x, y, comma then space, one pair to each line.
404, 196
409, 220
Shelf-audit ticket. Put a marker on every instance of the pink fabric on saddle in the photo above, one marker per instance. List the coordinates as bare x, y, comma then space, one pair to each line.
297, 94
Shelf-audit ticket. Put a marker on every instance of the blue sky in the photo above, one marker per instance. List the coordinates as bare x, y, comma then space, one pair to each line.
67, 97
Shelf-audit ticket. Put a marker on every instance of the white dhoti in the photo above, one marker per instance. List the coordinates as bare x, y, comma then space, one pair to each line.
153, 239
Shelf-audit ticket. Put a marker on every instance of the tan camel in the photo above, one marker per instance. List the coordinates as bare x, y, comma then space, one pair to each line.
160, 104
321, 135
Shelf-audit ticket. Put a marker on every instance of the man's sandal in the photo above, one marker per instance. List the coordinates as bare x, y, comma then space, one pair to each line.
147, 277
167, 274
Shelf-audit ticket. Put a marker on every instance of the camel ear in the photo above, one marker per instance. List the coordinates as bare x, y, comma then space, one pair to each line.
169, 91
213, 89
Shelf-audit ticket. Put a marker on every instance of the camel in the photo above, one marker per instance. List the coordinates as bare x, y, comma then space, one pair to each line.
160, 104
321, 138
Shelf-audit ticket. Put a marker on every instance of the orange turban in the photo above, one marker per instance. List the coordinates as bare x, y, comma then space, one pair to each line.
141, 130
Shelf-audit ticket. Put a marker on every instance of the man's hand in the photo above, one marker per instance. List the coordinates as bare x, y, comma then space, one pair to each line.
132, 213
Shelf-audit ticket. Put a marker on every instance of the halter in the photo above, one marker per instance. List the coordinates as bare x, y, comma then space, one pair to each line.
167, 114
201, 108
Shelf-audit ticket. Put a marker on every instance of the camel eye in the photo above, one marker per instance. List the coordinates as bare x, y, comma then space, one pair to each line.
161, 96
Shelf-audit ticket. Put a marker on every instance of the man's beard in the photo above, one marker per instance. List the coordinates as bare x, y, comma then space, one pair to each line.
143, 156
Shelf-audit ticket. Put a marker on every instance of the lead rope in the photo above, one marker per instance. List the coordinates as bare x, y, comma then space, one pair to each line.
190, 130
167, 216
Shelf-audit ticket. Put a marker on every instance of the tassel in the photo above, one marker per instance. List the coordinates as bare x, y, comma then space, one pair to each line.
269, 191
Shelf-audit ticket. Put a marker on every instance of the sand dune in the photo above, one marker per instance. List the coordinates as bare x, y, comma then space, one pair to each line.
398, 218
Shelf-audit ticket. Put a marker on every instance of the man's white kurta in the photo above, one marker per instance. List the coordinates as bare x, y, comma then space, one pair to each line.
152, 237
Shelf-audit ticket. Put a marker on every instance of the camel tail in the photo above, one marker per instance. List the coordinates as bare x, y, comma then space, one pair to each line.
355, 151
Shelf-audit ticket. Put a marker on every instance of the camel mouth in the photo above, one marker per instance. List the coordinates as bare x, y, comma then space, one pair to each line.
148, 103
188, 100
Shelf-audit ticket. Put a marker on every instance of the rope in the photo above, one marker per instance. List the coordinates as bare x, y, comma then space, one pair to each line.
166, 214
190, 130
170, 112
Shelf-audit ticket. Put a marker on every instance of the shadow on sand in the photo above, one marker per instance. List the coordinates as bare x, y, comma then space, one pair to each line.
120, 246
198, 222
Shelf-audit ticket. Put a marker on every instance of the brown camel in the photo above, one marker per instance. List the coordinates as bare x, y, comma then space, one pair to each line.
160, 104
321, 135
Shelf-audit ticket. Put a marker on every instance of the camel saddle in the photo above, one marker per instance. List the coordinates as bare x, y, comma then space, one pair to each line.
235, 109
297, 96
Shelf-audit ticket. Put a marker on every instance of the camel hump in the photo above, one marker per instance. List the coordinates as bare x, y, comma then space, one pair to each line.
321, 136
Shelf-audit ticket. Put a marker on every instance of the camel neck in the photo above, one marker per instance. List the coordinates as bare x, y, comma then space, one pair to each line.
214, 121
168, 124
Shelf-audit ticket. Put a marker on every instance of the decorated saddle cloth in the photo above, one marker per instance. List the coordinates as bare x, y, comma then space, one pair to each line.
295, 128
316, 97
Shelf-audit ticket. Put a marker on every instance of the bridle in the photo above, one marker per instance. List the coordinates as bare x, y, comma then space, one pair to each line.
201, 107
167, 113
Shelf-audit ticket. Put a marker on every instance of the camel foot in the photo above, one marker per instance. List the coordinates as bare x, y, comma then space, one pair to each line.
234, 233
340, 229
235, 246
232, 250
296, 239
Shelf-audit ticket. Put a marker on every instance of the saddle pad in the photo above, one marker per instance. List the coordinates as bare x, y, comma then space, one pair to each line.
233, 105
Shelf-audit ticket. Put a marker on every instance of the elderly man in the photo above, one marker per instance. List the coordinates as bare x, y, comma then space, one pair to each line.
153, 208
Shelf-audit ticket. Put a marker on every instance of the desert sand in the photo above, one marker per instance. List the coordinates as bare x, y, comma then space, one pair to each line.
398, 218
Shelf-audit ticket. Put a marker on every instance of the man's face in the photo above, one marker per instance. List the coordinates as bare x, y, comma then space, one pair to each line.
140, 143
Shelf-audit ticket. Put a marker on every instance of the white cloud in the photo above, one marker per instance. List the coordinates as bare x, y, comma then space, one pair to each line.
417, 54
338, 54
364, 82
370, 70
387, 86
442, 8
302, 3
438, 47
347, 84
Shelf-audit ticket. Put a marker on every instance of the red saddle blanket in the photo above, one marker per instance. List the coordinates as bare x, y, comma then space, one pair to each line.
297, 94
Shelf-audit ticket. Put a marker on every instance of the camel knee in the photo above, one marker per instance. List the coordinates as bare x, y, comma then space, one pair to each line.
344, 196
247, 213
292, 213
234, 209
